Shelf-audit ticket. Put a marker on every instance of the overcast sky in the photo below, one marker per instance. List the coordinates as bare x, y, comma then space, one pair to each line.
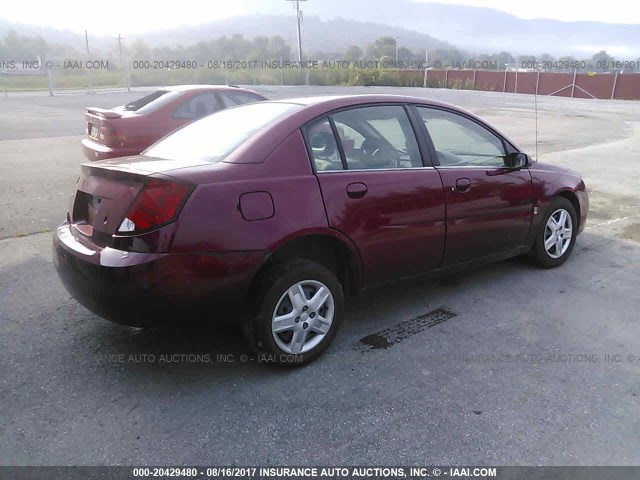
136, 16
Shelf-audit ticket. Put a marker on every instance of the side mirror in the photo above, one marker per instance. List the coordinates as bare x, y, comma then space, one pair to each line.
516, 160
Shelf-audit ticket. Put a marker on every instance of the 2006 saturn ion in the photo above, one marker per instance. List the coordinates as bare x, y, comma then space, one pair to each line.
286, 208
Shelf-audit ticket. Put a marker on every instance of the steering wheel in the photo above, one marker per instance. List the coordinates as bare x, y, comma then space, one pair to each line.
377, 153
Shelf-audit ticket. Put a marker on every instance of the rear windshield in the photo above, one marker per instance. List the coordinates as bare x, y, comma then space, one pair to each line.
215, 137
240, 98
152, 102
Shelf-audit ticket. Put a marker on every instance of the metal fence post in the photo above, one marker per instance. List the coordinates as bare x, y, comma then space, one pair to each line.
474, 79
48, 71
446, 78
504, 85
226, 80
426, 67
127, 71
86, 40
615, 82
537, 82
573, 87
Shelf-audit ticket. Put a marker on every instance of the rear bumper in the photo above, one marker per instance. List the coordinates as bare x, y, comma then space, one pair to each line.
94, 151
142, 289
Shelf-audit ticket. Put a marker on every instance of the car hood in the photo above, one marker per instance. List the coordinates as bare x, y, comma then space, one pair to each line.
547, 167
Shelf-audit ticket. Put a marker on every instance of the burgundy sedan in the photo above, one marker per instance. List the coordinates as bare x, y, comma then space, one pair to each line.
294, 205
131, 128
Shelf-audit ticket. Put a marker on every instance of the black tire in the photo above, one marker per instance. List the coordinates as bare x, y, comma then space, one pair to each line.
271, 286
538, 252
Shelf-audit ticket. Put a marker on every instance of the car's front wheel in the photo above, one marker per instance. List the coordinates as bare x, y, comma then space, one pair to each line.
555, 240
298, 308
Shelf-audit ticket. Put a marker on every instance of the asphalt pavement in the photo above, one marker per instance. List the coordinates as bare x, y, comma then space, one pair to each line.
504, 365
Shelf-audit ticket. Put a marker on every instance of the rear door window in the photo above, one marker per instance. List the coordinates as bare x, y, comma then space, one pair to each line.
199, 106
233, 99
152, 102
378, 137
323, 147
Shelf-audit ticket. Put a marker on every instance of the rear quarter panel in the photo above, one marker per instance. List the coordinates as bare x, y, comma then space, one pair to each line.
212, 221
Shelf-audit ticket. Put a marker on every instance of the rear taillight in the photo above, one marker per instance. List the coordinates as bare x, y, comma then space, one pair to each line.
158, 203
110, 136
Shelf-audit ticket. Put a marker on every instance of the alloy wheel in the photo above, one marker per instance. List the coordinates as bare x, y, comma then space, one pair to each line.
558, 233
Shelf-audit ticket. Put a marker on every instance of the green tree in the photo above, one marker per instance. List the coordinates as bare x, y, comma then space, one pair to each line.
446, 57
353, 53
259, 49
527, 61
383, 47
140, 50
278, 48
406, 56
503, 59
603, 57
568, 63
600, 61
19, 47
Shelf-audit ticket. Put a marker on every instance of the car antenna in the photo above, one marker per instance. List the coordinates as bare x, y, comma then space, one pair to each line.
535, 102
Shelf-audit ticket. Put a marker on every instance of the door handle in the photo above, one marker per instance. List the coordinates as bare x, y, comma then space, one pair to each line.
463, 185
356, 190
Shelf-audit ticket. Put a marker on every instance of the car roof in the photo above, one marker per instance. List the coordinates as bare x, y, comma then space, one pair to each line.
186, 88
320, 105
327, 103
362, 98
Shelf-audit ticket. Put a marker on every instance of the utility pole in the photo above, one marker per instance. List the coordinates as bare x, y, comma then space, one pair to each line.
396, 39
86, 40
120, 47
124, 67
299, 20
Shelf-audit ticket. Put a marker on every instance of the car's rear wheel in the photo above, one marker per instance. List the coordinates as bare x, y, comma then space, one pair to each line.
557, 237
298, 308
